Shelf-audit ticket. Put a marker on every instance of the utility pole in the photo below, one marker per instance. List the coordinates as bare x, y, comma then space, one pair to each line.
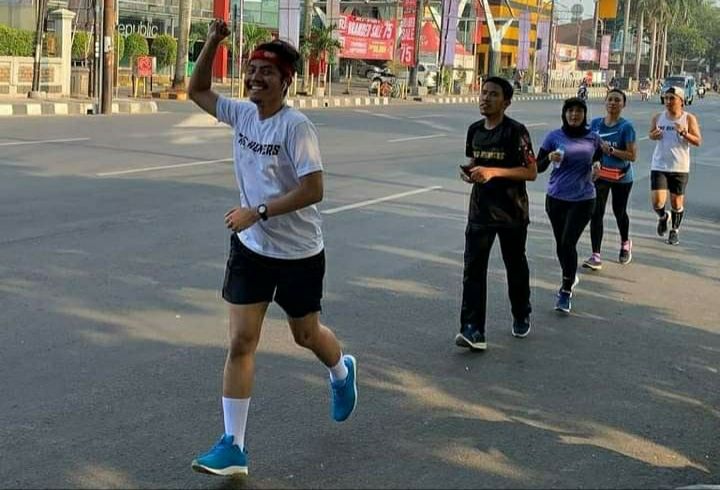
596, 18
419, 15
108, 56
535, 48
577, 44
181, 63
306, 34
41, 17
240, 47
551, 48
626, 33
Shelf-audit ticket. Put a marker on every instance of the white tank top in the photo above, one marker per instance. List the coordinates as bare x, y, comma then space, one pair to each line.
672, 152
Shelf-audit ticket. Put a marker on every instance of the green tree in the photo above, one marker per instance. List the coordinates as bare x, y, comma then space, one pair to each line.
686, 43
164, 48
81, 45
253, 35
135, 45
16, 42
322, 45
198, 32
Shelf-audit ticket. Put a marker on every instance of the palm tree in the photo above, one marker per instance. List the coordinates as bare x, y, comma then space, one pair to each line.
253, 35
322, 45
183, 44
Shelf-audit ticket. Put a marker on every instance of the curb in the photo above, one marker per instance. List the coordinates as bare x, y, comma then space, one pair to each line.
73, 108
332, 102
170, 95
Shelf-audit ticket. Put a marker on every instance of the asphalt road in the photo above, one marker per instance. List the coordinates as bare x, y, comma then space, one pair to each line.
112, 329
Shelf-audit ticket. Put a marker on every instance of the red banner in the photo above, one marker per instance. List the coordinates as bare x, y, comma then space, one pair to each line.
365, 38
407, 35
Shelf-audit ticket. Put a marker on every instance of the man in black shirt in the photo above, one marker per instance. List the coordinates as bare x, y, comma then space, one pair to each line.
500, 160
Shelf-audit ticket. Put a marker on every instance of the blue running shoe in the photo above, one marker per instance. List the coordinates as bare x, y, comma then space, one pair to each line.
344, 393
224, 459
563, 302
471, 337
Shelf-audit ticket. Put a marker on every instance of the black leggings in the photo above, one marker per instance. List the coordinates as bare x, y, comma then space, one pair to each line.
568, 219
478, 243
620, 197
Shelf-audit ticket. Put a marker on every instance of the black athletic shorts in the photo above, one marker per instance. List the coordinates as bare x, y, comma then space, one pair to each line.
675, 182
296, 285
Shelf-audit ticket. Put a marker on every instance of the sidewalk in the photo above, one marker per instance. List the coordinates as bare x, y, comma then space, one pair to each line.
22, 106
17, 106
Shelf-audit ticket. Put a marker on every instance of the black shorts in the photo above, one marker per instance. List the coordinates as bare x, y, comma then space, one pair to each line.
675, 182
296, 285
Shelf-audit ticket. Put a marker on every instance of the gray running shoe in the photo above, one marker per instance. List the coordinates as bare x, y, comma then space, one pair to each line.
625, 252
673, 238
593, 262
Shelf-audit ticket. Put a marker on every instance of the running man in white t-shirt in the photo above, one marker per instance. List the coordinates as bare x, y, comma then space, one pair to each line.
276, 245
674, 130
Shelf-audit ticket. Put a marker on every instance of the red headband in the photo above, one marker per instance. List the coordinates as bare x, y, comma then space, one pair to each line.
286, 69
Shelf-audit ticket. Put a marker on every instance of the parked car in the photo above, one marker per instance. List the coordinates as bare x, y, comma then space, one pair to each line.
427, 74
365, 69
685, 82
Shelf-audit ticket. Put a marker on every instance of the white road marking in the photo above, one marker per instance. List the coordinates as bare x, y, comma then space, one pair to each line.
381, 199
40, 142
163, 167
413, 138
427, 115
644, 138
532, 125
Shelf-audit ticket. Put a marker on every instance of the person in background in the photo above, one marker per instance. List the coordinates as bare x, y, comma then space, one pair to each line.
615, 176
500, 161
571, 151
674, 130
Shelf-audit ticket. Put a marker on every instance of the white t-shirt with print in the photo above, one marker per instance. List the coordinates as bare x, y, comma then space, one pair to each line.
271, 156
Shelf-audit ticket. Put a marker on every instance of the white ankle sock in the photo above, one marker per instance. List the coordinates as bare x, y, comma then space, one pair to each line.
339, 371
235, 413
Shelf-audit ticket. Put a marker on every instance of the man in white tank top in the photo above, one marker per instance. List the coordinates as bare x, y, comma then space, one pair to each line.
674, 130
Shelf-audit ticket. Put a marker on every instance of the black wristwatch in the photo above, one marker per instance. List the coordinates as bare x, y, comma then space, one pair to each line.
612, 150
262, 211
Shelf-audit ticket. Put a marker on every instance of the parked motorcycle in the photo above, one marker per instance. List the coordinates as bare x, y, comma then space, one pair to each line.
582, 92
383, 83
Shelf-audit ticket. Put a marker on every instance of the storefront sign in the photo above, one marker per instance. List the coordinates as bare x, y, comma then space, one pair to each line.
407, 35
366, 38
145, 28
587, 54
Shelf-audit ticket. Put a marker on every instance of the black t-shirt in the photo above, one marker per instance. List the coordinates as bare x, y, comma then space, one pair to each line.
500, 202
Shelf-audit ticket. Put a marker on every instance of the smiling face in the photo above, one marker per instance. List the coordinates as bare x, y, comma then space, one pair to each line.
575, 116
264, 82
492, 100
